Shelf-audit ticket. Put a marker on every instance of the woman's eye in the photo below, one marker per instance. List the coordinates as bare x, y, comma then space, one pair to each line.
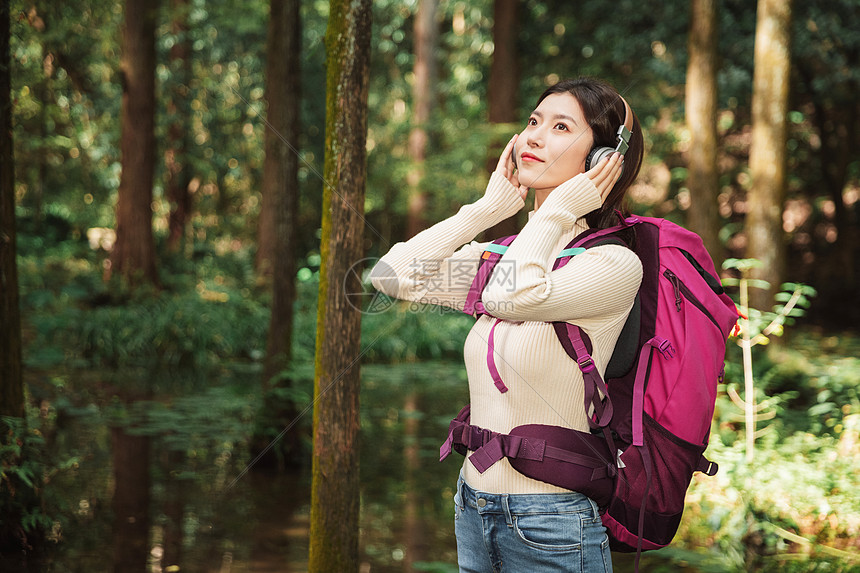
561, 126
532, 121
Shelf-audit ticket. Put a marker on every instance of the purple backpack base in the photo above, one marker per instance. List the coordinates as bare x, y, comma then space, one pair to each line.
649, 432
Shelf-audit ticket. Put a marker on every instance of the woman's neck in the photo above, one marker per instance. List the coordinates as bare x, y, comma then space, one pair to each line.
540, 196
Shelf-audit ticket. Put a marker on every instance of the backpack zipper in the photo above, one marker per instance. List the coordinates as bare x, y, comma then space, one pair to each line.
681, 288
676, 283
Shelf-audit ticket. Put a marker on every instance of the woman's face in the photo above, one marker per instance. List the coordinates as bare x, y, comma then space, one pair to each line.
554, 144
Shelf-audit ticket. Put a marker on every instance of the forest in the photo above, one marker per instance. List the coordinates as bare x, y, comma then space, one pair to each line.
195, 372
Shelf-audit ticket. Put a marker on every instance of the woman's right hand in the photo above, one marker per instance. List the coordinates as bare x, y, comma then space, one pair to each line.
507, 168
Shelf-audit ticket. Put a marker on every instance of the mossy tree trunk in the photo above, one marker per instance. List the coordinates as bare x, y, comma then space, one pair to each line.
703, 179
335, 483
11, 382
765, 236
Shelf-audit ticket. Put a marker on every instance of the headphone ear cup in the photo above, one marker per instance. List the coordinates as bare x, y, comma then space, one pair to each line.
598, 154
595, 155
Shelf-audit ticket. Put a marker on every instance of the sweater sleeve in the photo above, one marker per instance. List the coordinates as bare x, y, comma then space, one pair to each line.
600, 282
427, 269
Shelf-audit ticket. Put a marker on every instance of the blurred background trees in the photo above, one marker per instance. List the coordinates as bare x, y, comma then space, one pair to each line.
210, 92
211, 145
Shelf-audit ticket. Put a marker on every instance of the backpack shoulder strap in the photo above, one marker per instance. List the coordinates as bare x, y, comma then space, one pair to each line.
491, 255
626, 347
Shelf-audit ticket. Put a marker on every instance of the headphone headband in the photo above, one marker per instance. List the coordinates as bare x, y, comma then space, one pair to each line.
626, 129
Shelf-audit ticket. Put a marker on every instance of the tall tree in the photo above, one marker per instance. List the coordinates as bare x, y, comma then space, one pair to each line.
763, 224
178, 131
503, 89
278, 225
426, 38
133, 254
703, 179
334, 489
280, 186
11, 381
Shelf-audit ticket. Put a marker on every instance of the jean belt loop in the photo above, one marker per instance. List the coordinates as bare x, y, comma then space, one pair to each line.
506, 505
461, 483
595, 509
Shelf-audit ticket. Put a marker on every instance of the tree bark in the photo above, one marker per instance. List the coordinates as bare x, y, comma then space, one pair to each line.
276, 231
280, 184
426, 33
278, 225
335, 485
178, 111
11, 381
130, 501
502, 92
703, 179
768, 148
133, 254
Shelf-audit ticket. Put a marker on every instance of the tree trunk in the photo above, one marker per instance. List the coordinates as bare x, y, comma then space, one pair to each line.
768, 149
426, 33
335, 484
502, 91
178, 110
281, 175
133, 254
278, 226
703, 178
276, 230
11, 381
130, 501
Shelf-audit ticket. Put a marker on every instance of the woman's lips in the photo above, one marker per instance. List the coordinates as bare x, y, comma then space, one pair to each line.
530, 157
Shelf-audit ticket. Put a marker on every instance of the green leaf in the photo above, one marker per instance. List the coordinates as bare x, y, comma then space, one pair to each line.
758, 283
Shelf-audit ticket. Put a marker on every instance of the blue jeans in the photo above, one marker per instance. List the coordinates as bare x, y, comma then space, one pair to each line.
500, 533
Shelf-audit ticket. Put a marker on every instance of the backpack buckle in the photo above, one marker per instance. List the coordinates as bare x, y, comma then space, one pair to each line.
586, 364
666, 349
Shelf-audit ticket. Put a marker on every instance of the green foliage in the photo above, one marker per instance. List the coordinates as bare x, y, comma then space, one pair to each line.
23, 471
185, 330
792, 301
408, 332
208, 312
750, 518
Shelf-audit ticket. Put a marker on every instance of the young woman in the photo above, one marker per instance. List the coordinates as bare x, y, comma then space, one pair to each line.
505, 521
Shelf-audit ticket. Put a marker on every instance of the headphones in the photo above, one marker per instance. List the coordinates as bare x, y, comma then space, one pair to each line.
623, 137
625, 131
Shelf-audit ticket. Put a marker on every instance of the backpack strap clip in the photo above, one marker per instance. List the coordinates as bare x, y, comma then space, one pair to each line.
586, 363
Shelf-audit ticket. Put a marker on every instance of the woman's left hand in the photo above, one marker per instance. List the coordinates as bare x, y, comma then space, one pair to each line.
605, 174
507, 168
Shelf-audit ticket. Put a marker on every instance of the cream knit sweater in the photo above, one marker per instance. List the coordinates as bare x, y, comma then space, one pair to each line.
595, 291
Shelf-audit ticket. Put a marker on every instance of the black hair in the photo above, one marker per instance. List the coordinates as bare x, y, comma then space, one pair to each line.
604, 111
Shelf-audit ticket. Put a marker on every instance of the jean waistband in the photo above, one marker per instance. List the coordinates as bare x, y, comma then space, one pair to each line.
523, 503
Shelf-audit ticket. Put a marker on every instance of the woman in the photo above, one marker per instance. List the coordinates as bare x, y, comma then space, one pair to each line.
506, 521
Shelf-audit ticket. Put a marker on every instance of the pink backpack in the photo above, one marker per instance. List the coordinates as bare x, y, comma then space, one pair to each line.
649, 434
